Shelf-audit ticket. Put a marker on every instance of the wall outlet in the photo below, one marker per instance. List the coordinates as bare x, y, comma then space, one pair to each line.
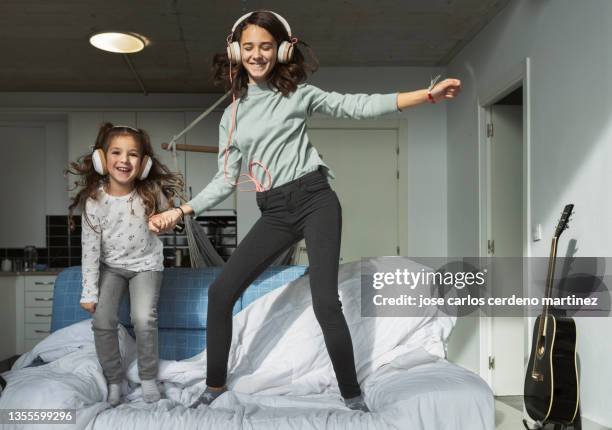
537, 232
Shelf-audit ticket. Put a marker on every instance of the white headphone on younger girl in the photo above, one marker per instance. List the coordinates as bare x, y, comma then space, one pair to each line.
99, 160
285, 49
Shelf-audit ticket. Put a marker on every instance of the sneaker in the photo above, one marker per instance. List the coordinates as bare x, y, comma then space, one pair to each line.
207, 397
356, 404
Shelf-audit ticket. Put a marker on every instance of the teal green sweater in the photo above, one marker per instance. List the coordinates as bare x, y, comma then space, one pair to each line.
271, 128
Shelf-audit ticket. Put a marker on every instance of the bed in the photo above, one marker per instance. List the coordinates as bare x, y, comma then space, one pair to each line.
279, 373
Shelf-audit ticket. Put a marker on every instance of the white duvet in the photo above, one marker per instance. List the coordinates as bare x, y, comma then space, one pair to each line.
280, 375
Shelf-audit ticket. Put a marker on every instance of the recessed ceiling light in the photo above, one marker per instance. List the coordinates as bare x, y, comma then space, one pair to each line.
121, 43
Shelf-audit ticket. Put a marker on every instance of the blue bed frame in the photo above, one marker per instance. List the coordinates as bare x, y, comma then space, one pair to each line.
182, 304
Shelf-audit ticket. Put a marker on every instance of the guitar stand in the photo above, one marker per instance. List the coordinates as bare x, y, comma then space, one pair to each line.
576, 425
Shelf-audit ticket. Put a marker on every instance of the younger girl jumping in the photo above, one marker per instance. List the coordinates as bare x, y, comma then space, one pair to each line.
122, 185
271, 103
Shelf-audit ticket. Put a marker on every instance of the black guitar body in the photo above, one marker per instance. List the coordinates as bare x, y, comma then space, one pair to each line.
551, 382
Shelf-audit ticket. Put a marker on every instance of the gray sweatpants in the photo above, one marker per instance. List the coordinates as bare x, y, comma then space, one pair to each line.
144, 293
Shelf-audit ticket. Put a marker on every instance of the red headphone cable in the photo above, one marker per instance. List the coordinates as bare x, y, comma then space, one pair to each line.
259, 187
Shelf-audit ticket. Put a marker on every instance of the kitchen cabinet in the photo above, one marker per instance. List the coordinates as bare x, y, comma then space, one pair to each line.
26, 307
35, 315
22, 185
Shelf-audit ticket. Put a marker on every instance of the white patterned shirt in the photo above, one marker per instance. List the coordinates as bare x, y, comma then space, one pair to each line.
120, 238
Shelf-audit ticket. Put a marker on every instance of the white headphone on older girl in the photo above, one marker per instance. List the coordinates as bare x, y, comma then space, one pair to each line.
285, 49
99, 160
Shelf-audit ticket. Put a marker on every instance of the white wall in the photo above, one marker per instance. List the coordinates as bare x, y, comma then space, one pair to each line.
568, 43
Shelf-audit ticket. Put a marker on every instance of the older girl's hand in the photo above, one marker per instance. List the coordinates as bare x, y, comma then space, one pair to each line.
164, 221
447, 89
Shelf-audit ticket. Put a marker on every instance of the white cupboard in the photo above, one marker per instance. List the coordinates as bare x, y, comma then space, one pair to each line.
25, 312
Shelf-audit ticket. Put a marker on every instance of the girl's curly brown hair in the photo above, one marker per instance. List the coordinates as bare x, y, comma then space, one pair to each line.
159, 180
284, 77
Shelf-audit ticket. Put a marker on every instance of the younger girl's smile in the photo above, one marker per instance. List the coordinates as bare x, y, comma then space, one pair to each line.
123, 160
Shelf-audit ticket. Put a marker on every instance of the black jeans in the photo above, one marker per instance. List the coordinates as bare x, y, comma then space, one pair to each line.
304, 208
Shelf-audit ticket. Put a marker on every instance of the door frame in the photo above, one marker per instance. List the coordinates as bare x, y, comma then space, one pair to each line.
401, 126
504, 84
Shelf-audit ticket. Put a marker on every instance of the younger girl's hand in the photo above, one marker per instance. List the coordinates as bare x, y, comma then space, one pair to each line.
89, 307
447, 89
154, 223
164, 221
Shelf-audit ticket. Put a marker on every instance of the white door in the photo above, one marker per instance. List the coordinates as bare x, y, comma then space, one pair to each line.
365, 162
506, 215
22, 185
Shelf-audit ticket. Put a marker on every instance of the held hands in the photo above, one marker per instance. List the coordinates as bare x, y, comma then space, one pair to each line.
446, 89
164, 221
89, 307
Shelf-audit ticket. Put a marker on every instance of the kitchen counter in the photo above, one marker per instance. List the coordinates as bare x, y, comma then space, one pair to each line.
48, 272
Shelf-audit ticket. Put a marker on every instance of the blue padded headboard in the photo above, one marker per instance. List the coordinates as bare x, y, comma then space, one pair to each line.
182, 304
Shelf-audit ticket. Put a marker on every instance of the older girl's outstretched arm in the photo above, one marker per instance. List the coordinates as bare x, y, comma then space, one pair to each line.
447, 89
364, 106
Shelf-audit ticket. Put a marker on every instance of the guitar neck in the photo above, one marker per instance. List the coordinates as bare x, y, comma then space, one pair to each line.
550, 276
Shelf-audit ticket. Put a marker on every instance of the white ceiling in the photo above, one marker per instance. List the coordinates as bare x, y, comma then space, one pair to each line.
44, 43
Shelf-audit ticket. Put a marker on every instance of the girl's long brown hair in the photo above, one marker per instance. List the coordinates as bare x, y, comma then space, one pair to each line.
159, 180
284, 77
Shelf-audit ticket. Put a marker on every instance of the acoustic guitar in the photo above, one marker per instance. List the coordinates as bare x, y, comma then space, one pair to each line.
551, 392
